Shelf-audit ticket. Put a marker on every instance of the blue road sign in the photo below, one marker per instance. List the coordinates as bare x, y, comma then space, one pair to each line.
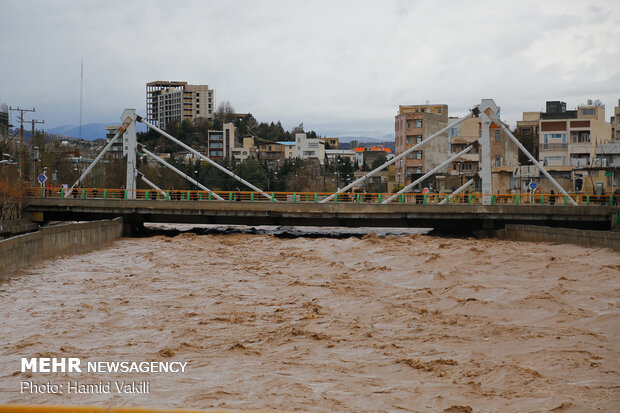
42, 178
533, 186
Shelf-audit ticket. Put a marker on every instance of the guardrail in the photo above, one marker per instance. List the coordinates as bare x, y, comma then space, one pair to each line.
315, 197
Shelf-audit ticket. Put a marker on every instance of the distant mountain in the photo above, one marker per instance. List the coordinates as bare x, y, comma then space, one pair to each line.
90, 131
384, 138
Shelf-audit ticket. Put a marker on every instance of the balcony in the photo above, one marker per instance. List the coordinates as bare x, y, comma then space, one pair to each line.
579, 162
467, 157
580, 148
553, 146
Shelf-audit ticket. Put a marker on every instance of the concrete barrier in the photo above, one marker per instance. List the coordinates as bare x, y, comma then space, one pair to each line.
586, 238
71, 238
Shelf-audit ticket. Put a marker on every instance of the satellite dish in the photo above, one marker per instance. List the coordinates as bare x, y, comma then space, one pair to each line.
598, 102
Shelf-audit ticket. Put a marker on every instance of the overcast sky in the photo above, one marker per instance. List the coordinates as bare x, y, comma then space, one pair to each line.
340, 67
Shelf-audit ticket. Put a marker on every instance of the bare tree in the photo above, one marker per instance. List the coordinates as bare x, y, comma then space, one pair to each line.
225, 112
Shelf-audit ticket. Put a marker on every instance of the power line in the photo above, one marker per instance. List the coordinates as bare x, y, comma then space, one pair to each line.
21, 140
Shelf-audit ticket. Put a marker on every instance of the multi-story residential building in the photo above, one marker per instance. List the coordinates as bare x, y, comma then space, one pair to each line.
332, 155
170, 102
274, 151
615, 123
413, 124
246, 151
220, 144
306, 148
116, 150
460, 137
527, 131
570, 137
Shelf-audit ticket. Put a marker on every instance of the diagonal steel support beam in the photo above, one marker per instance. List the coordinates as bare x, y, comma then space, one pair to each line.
402, 155
429, 173
151, 184
531, 158
183, 174
458, 191
192, 150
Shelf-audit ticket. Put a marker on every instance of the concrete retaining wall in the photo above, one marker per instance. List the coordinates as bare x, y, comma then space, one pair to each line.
594, 239
24, 250
15, 227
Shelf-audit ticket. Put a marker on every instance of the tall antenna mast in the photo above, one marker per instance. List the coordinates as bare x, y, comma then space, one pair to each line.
81, 83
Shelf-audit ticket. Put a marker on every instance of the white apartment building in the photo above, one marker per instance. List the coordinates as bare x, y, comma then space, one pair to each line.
309, 148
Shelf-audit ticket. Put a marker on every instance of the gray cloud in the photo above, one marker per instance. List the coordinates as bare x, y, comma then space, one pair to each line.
340, 67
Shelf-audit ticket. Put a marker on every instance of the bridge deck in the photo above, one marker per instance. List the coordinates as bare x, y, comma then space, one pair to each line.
452, 218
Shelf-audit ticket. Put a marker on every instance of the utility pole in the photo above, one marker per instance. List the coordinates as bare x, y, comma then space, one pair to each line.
34, 154
21, 141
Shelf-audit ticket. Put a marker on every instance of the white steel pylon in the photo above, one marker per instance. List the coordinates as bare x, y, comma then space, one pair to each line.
130, 143
486, 106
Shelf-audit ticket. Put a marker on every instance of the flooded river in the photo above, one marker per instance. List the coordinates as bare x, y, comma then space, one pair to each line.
366, 324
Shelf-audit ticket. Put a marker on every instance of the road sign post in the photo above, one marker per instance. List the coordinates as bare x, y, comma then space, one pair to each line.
42, 178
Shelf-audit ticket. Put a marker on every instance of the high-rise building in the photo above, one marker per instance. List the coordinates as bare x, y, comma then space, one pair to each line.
413, 124
170, 102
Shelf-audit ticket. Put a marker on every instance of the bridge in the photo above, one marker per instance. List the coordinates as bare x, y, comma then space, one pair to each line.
452, 213
445, 213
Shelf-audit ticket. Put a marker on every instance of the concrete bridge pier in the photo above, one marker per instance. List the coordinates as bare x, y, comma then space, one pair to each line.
133, 225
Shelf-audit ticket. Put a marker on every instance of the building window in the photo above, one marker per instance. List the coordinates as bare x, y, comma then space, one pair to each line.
466, 167
418, 155
548, 136
410, 155
409, 139
409, 123
409, 170
418, 139
418, 123
418, 170
587, 112
197, 94
580, 137
498, 160
439, 111
497, 135
197, 100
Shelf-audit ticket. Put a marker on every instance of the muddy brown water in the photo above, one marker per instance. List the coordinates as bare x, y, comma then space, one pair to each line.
370, 324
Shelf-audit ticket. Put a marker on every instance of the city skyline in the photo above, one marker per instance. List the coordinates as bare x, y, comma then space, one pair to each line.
340, 69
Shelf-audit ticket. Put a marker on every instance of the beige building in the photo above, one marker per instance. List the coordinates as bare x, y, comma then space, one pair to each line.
570, 137
170, 102
530, 123
247, 150
330, 143
413, 124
